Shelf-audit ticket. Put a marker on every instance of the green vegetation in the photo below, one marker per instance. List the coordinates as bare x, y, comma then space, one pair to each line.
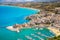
37, 23
27, 18
56, 12
55, 38
38, 13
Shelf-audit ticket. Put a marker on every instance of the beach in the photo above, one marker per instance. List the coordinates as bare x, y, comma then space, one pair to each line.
54, 30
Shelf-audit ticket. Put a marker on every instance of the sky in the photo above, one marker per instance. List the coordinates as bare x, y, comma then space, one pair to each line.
25, 0
15, 0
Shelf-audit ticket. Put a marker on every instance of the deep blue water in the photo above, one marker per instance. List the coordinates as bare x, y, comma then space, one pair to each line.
11, 15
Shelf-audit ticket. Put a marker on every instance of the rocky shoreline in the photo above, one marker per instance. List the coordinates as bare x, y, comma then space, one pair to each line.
41, 19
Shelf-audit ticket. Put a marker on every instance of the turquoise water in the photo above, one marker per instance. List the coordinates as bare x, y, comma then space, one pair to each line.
9, 35
12, 15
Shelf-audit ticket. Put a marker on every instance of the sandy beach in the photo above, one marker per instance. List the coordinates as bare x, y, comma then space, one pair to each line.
54, 30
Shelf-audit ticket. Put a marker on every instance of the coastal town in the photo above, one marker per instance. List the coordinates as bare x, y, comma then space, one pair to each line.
48, 16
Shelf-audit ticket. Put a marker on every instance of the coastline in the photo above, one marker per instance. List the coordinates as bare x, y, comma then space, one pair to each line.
22, 7
46, 16
54, 30
17, 29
